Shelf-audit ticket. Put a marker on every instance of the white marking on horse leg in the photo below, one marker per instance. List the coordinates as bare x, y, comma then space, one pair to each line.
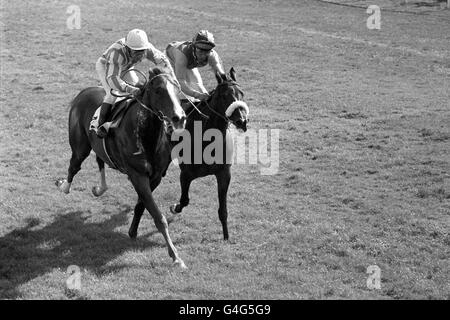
179, 263
98, 191
65, 186
173, 208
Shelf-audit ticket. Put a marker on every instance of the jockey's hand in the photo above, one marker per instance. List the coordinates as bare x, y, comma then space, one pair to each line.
179, 86
177, 83
135, 91
202, 96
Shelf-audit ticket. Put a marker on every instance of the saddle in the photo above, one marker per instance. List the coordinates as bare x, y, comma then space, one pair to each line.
113, 120
116, 115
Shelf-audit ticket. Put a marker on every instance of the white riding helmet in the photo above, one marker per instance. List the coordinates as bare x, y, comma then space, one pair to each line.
137, 40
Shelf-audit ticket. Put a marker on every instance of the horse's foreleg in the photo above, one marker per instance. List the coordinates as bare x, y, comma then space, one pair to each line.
138, 211
99, 190
185, 182
142, 186
223, 181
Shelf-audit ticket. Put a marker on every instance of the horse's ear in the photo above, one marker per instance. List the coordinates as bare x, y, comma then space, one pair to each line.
219, 77
233, 74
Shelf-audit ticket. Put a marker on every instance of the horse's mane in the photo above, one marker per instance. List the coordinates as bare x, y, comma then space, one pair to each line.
147, 120
226, 80
158, 70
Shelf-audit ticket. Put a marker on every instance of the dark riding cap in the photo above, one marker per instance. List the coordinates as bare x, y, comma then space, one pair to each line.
204, 40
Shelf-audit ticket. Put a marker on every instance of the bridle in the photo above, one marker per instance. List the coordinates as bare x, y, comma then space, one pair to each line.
158, 113
225, 118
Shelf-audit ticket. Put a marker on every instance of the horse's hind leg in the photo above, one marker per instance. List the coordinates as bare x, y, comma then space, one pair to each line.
80, 151
99, 190
185, 180
223, 181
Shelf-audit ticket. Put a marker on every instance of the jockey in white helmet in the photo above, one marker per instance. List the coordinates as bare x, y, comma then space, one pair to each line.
120, 57
186, 57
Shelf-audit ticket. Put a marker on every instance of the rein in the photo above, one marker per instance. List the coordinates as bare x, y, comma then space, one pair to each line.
225, 118
218, 114
168, 78
195, 107
161, 116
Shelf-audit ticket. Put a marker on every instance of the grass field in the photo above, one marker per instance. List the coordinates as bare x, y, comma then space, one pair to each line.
364, 168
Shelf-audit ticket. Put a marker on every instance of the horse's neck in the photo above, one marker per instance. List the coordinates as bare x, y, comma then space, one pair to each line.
153, 137
214, 120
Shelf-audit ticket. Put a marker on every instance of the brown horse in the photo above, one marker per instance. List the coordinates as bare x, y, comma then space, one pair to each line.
143, 127
224, 106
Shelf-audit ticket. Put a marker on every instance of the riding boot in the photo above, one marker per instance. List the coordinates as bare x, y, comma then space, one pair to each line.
104, 112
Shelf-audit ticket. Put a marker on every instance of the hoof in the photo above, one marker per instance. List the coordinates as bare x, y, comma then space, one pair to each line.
179, 263
59, 182
98, 191
175, 209
63, 185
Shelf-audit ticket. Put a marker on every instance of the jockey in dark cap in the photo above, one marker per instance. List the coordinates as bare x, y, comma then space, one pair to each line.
186, 57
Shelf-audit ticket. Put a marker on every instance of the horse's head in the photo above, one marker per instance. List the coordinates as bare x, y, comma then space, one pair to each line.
228, 98
160, 95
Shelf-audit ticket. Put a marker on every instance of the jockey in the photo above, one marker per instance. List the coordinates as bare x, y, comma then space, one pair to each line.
120, 57
186, 57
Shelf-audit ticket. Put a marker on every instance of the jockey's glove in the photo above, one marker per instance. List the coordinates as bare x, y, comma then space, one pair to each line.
202, 96
134, 91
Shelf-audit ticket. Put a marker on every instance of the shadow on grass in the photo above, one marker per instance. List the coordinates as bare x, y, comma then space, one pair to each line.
29, 252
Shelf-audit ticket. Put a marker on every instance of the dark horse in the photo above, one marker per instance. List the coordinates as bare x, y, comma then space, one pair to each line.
144, 124
225, 105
